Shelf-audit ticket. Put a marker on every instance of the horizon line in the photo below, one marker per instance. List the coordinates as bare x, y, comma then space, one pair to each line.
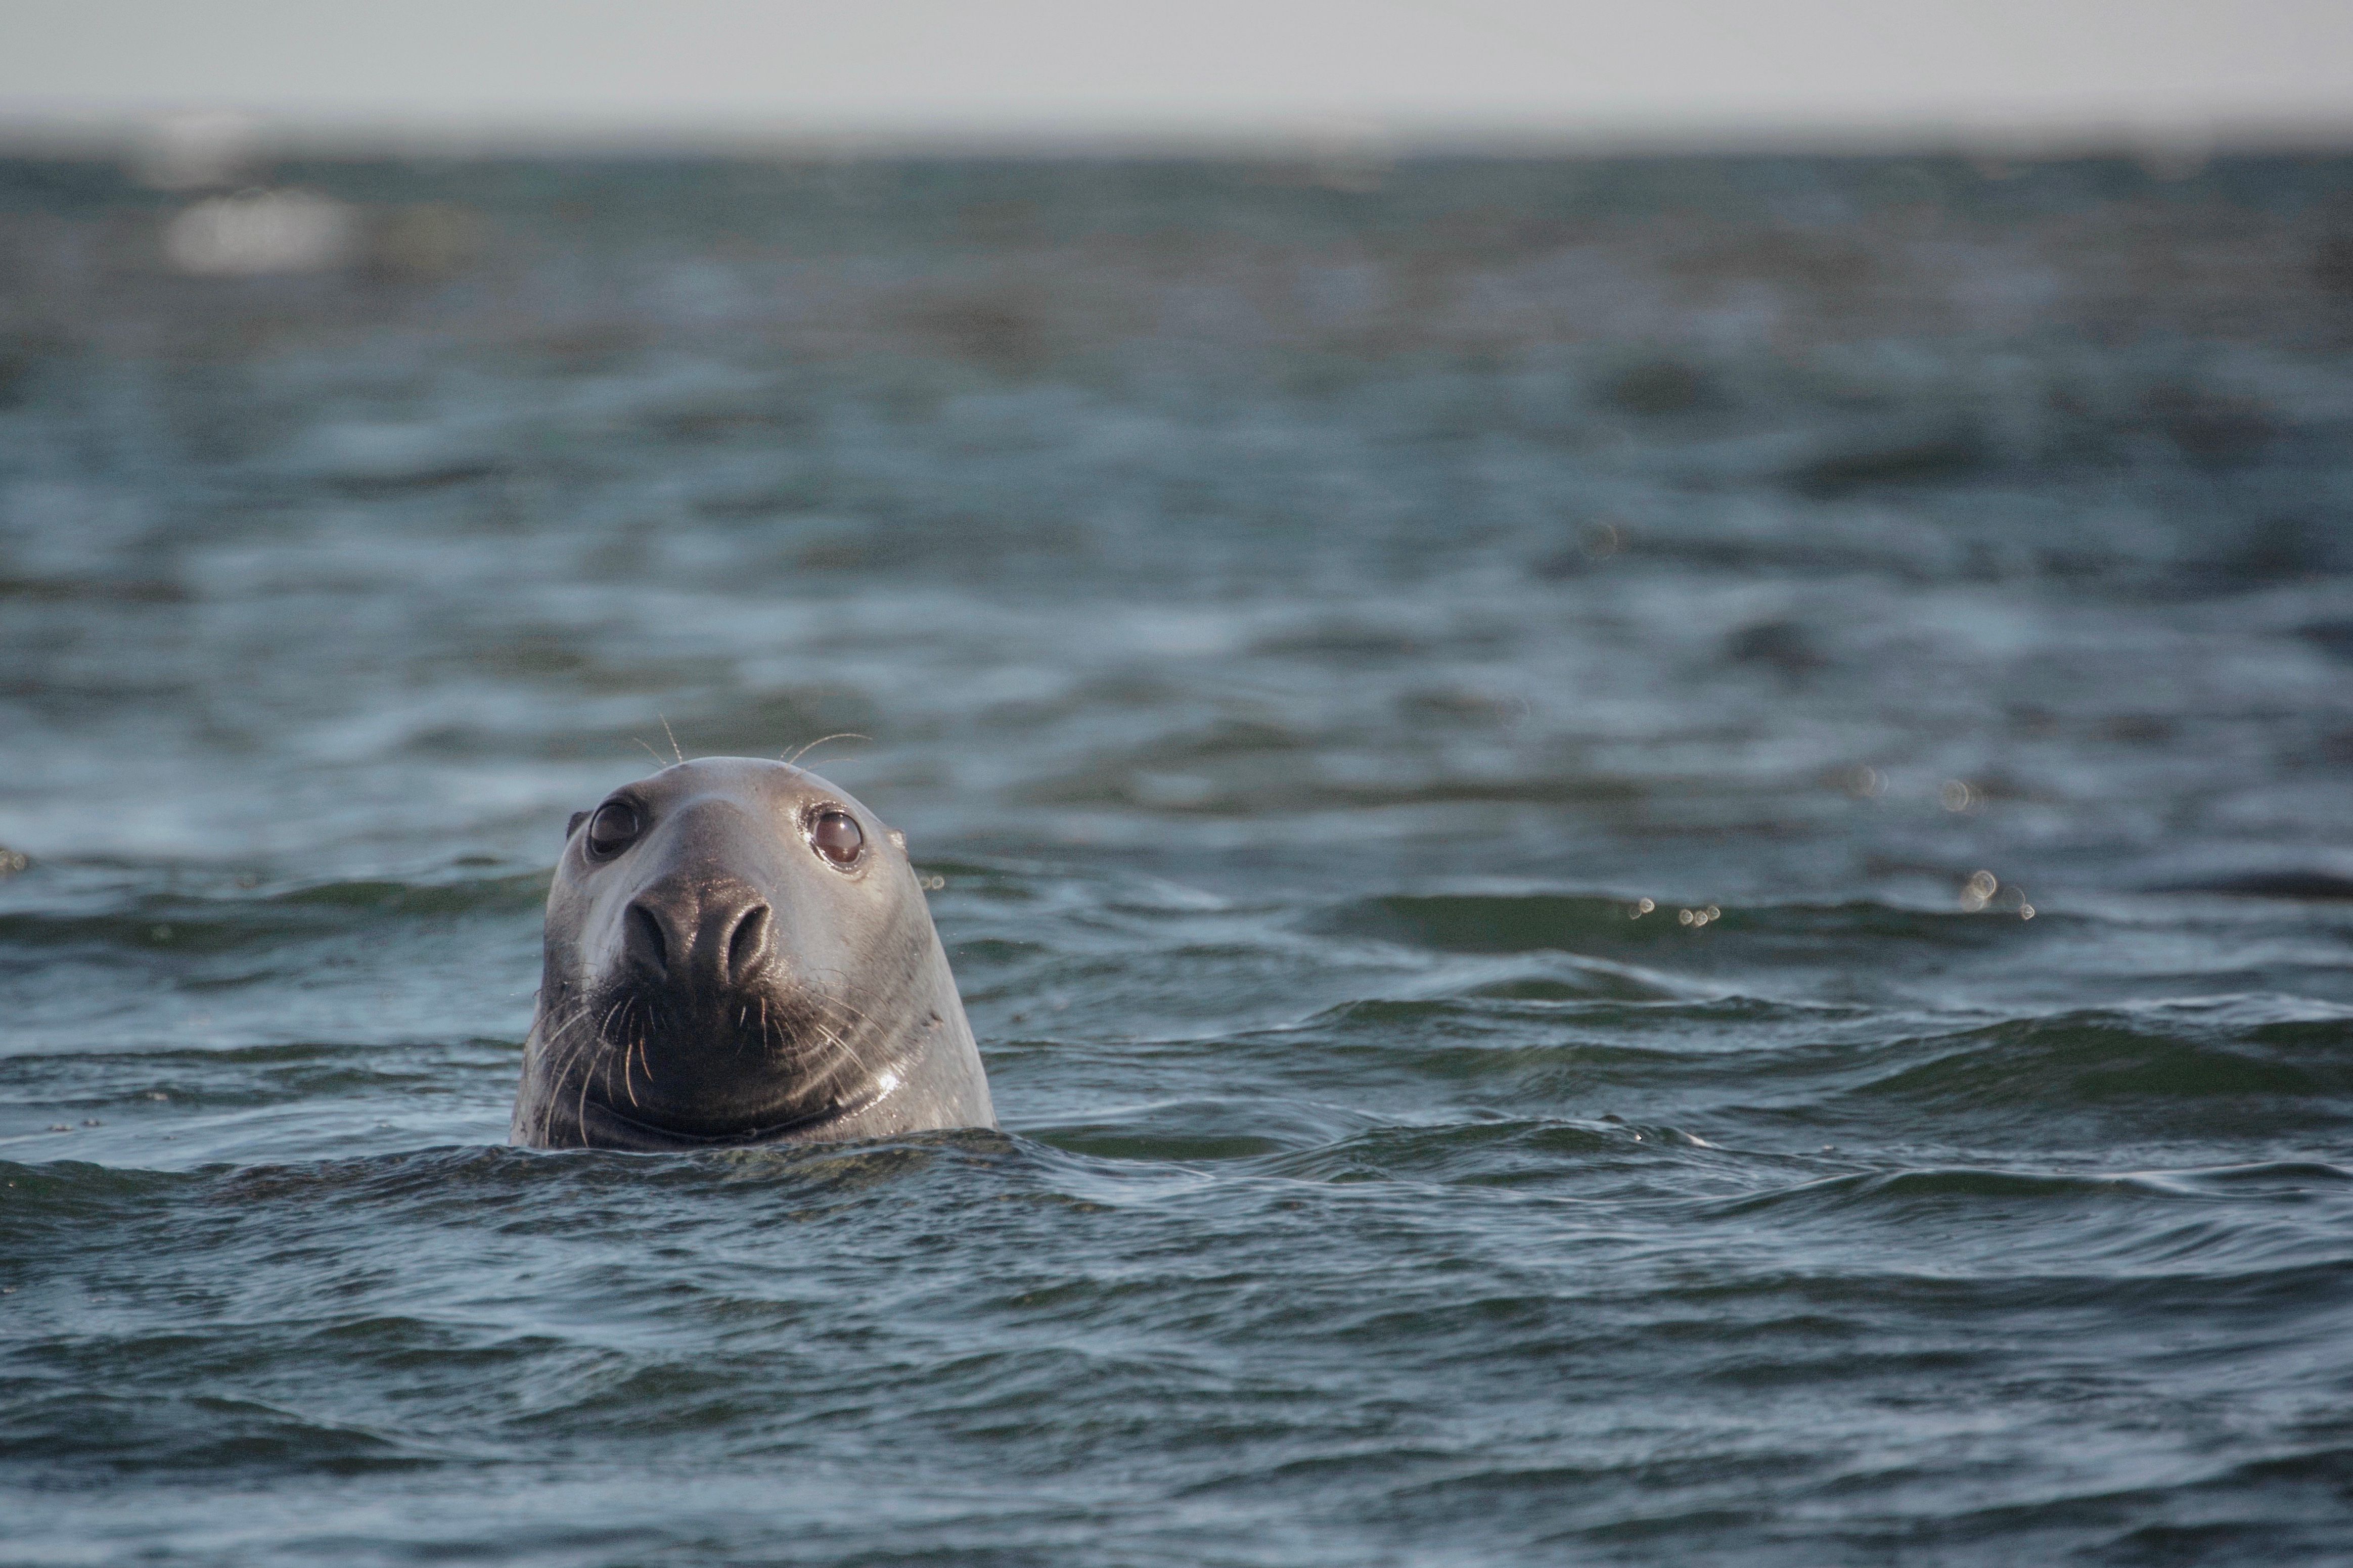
128, 134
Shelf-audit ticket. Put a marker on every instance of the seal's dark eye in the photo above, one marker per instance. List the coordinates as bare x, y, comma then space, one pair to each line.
614, 828
835, 835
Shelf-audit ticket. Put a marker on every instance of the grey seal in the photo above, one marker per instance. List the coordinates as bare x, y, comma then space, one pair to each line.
738, 953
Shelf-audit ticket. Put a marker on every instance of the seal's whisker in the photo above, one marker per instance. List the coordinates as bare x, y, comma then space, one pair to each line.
569, 1041
850, 1016
856, 1014
580, 1115
637, 1043
856, 1026
556, 1075
572, 1048
837, 1043
845, 1004
603, 1071
628, 1084
557, 1048
795, 760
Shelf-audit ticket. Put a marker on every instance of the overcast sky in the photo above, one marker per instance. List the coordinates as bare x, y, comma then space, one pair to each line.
1070, 71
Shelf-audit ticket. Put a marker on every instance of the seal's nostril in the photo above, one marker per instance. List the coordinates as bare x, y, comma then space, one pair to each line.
641, 937
749, 942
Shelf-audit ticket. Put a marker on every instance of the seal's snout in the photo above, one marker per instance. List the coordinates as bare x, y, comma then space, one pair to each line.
705, 936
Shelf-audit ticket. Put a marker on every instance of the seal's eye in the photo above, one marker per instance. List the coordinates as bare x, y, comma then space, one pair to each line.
614, 828
835, 836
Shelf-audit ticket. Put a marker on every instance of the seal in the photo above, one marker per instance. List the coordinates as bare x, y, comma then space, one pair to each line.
738, 953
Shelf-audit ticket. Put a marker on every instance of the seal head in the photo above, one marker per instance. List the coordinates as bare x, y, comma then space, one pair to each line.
738, 952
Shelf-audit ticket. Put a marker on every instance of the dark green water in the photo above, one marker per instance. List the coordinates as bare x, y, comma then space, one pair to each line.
1297, 625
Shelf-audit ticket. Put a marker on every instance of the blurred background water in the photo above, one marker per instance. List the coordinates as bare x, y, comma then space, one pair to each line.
1651, 855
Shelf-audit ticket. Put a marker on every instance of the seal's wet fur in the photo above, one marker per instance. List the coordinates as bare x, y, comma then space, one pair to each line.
720, 980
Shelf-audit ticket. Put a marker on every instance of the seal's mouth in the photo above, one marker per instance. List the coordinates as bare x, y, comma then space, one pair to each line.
622, 1129
682, 1068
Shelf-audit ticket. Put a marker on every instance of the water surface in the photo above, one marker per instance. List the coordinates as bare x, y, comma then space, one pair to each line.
1649, 856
